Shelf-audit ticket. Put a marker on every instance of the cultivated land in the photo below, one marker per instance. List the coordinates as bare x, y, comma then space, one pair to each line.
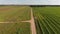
47, 20
15, 28
11, 17
22, 20
14, 13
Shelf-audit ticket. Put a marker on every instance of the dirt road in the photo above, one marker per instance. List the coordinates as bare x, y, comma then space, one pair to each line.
33, 28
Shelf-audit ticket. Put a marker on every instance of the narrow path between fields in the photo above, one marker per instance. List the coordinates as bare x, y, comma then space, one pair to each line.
33, 28
6, 22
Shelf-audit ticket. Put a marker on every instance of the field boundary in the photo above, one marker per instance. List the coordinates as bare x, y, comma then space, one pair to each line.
6, 22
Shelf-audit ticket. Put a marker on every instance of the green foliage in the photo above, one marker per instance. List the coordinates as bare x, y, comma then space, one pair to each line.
47, 19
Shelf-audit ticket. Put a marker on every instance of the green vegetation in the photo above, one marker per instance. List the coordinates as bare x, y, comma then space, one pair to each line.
14, 13
15, 28
47, 20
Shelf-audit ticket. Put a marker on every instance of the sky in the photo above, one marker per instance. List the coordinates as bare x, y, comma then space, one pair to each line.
31, 2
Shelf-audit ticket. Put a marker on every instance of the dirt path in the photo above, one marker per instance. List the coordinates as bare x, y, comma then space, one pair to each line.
6, 22
33, 28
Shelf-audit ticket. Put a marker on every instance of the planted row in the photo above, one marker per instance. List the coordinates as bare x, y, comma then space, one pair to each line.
47, 25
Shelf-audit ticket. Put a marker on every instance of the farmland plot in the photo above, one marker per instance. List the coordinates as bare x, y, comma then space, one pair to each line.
47, 20
11, 17
14, 13
15, 28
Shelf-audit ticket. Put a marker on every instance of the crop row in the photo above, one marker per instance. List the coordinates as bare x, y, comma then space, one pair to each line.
47, 24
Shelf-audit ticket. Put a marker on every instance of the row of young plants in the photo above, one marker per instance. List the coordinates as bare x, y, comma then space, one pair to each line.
47, 24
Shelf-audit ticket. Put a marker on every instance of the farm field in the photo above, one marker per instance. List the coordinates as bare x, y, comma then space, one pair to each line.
14, 13
11, 17
47, 20
15, 28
